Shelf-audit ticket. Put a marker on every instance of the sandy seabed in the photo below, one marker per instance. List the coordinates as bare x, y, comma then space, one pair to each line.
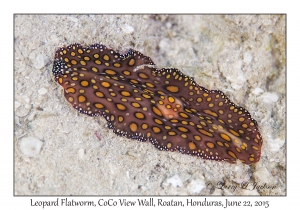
61, 152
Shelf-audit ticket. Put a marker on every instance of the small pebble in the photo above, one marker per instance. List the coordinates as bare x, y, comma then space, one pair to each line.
276, 144
175, 181
196, 186
42, 91
163, 44
26, 99
73, 19
21, 69
257, 91
30, 146
270, 98
168, 25
17, 104
31, 116
54, 38
22, 106
128, 29
236, 76
247, 57
17, 120
262, 175
39, 61
81, 153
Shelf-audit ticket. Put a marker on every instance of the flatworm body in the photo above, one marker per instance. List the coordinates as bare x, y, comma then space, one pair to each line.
163, 106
